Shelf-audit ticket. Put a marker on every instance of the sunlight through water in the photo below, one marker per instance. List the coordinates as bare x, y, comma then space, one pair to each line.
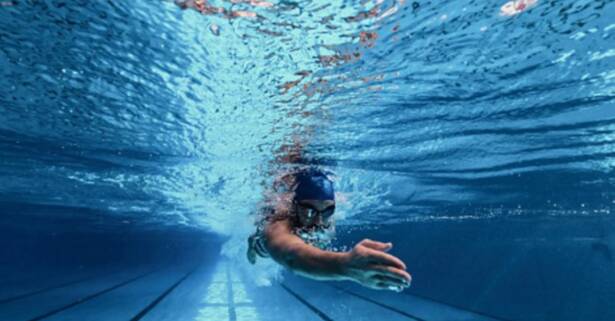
167, 113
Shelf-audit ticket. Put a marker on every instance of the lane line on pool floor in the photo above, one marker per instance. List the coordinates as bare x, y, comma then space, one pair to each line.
232, 314
52, 287
314, 309
164, 294
91, 296
380, 304
420, 297
459, 308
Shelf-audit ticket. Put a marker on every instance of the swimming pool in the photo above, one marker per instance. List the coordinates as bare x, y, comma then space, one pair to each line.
137, 139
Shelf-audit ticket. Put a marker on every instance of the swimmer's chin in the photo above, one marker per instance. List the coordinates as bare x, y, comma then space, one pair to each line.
316, 228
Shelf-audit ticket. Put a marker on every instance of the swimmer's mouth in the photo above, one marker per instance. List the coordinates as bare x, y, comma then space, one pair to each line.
317, 228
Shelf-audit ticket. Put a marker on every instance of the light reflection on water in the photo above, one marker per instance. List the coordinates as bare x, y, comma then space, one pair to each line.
425, 110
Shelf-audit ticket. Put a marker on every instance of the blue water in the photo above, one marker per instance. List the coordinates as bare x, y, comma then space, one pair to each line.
481, 144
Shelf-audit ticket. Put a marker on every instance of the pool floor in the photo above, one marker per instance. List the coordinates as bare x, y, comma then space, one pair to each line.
204, 291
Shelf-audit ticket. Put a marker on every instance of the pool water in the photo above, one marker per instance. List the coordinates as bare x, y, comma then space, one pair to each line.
137, 139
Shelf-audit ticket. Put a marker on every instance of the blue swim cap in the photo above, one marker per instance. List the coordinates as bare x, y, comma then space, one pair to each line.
313, 184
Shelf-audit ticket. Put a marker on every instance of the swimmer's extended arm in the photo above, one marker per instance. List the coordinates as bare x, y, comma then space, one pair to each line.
291, 251
367, 263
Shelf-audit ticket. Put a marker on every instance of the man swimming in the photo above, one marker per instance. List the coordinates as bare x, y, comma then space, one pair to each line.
300, 224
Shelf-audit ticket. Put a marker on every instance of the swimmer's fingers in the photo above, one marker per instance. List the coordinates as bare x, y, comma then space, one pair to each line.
390, 283
390, 273
380, 246
386, 286
386, 259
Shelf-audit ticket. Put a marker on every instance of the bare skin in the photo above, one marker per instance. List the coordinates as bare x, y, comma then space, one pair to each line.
367, 263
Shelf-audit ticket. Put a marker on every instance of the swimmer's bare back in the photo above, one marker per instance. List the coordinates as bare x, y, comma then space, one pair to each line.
367, 263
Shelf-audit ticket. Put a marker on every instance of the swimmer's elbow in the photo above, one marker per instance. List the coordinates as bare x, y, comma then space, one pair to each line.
288, 260
287, 249
285, 254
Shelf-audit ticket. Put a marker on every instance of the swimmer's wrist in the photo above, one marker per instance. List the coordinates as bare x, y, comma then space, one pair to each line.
335, 264
342, 263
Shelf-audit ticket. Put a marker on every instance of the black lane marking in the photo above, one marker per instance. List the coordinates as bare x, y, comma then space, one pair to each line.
386, 306
459, 307
314, 309
89, 297
153, 304
49, 288
232, 316
427, 299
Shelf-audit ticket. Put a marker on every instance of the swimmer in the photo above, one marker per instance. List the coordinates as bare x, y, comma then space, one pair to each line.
297, 229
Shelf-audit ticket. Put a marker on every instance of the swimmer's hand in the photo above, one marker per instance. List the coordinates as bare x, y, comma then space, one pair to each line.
369, 265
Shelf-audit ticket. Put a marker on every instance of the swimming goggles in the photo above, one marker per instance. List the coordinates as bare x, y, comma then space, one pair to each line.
312, 211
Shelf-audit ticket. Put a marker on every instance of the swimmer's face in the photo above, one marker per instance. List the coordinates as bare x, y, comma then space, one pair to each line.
315, 213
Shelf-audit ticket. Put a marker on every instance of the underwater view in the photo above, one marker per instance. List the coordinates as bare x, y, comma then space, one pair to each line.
269, 160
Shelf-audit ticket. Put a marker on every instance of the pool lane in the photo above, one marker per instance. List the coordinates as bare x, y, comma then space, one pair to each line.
132, 299
345, 300
28, 281
221, 292
415, 307
44, 304
29, 290
303, 301
339, 305
162, 296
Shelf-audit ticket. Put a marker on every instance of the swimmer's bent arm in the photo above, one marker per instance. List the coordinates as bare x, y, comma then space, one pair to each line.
367, 263
292, 252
